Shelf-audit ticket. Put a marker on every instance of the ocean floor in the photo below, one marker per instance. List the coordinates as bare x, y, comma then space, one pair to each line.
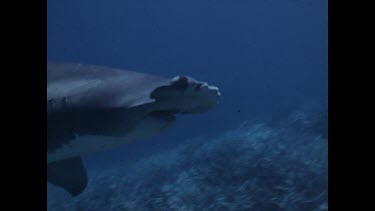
272, 165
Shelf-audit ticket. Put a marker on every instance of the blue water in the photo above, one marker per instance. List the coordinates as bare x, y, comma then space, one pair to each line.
268, 57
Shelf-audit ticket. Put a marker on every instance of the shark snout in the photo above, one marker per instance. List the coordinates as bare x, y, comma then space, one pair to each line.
205, 98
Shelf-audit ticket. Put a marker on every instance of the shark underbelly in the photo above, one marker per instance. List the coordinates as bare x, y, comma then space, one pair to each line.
83, 145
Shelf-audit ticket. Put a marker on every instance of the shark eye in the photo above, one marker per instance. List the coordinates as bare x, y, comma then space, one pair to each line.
181, 82
197, 88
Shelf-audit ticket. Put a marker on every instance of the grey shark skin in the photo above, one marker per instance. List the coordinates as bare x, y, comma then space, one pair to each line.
93, 108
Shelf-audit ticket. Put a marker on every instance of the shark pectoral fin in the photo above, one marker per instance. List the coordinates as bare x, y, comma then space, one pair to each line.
69, 174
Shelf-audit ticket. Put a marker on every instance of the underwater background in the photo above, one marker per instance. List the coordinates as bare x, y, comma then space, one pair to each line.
263, 147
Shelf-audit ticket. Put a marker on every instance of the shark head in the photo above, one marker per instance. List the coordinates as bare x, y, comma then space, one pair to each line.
186, 95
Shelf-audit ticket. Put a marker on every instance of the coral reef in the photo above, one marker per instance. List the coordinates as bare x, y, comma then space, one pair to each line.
258, 166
